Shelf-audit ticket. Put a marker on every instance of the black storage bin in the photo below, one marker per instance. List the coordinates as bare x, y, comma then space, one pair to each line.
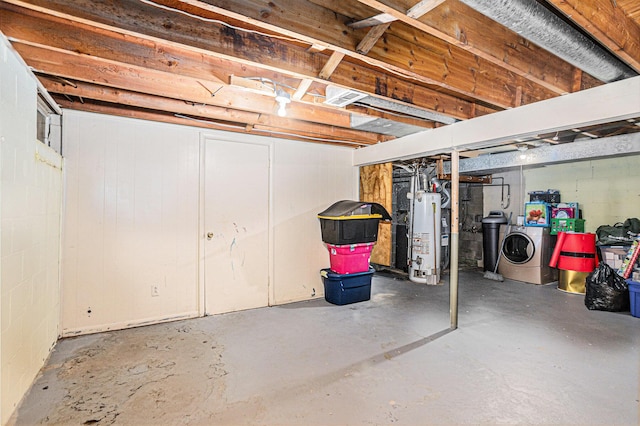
550, 196
351, 231
351, 222
491, 238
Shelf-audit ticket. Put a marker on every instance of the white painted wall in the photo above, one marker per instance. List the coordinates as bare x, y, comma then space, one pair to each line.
30, 200
307, 178
607, 189
131, 222
492, 195
132, 218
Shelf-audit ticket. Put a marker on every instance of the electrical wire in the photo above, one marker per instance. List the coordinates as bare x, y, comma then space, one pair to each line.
265, 80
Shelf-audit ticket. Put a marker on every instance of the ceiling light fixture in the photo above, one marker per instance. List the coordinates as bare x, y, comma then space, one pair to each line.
522, 148
282, 98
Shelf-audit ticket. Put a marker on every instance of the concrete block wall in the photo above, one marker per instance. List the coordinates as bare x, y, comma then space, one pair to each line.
30, 200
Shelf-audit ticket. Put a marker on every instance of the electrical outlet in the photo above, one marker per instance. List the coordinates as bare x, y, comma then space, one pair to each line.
155, 291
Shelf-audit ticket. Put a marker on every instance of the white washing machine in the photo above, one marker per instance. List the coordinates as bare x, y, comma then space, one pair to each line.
526, 254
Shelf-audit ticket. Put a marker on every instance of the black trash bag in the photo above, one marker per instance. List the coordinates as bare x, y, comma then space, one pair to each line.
606, 290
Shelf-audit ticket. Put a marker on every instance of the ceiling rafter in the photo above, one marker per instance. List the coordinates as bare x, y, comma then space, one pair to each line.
372, 37
198, 122
110, 73
431, 61
608, 23
303, 64
331, 65
219, 63
416, 11
469, 32
380, 23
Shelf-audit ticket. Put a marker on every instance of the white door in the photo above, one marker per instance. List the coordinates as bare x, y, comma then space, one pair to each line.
236, 225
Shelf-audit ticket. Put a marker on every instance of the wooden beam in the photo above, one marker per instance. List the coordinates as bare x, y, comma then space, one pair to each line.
577, 80
421, 8
379, 19
468, 179
374, 34
608, 23
182, 54
518, 98
118, 75
611, 102
421, 60
427, 61
133, 99
480, 36
331, 65
252, 85
186, 121
302, 89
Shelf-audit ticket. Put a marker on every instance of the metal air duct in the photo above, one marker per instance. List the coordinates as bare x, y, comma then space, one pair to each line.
539, 25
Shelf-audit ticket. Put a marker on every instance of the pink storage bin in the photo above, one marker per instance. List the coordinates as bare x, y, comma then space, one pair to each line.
350, 259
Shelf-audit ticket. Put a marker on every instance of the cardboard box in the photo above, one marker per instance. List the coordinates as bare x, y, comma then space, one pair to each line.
613, 255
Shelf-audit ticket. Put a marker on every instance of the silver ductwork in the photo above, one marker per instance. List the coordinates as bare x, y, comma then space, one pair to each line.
539, 25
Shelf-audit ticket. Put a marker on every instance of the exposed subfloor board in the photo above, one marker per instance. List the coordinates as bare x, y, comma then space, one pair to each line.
523, 354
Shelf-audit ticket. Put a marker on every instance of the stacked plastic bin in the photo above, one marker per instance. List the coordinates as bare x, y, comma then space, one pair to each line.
350, 230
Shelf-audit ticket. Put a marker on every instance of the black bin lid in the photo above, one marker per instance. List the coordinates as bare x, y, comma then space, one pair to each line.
345, 209
495, 217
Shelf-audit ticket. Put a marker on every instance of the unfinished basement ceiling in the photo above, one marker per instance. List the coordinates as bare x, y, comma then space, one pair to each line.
356, 72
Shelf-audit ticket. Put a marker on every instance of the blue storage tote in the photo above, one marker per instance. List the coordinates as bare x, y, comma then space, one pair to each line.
634, 297
342, 289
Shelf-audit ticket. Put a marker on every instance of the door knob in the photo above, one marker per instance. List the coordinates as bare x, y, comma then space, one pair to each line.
209, 235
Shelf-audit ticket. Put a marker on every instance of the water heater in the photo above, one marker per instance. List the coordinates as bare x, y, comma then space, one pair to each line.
425, 237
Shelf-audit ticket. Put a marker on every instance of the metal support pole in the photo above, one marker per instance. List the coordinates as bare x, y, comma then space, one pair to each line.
453, 267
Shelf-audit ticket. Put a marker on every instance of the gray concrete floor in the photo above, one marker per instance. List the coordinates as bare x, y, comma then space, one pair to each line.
523, 354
